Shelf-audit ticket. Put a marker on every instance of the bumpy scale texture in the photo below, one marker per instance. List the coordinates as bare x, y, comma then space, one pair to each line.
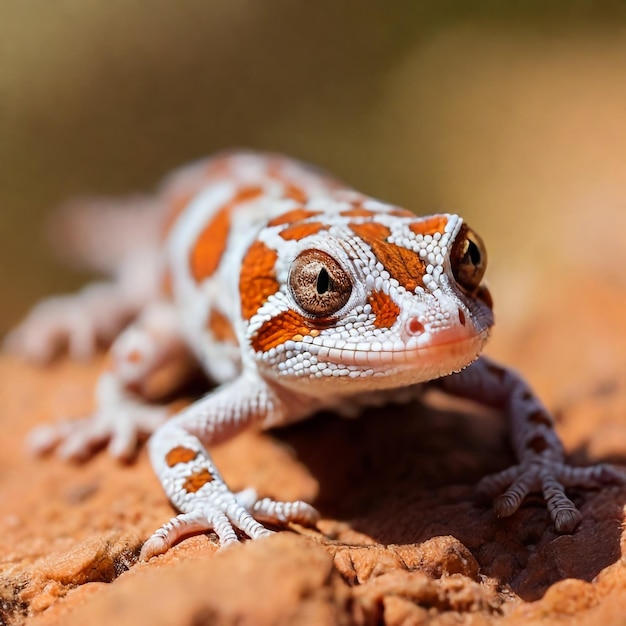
294, 293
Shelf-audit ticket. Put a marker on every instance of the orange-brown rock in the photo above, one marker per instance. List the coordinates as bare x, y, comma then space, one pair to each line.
402, 540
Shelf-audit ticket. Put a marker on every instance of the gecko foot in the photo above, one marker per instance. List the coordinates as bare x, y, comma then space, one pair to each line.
224, 513
550, 477
121, 427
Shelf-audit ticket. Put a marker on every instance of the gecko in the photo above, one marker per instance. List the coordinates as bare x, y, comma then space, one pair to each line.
293, 293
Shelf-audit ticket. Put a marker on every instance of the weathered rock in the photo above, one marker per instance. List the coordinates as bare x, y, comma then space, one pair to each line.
403, 539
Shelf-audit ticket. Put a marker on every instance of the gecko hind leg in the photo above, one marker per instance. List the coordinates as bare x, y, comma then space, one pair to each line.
80, 323
541, 465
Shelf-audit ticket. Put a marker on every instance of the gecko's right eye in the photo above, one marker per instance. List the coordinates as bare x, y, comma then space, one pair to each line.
319, 284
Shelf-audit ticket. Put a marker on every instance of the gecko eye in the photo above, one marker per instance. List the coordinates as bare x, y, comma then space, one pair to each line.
319, 284
468, 259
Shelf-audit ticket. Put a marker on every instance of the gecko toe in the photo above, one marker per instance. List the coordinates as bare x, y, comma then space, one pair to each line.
566, 521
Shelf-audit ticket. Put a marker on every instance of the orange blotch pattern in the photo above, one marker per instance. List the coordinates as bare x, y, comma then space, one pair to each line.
401, 213
177, 205
209, 248
257, 280
197, 480
167, 284
291, 217
358, 212
282, 327
295, 232
180, 454
221, 327
295, 193
245, 194
402, 264
430, 226
134, 356
384, 308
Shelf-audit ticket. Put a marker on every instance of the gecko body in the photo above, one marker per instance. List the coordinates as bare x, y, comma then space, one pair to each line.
294, 293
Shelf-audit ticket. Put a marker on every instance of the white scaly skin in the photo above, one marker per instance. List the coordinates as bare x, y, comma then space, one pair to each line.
295, 294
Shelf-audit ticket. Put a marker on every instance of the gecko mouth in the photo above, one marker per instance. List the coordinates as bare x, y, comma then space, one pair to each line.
423, 351
403, 354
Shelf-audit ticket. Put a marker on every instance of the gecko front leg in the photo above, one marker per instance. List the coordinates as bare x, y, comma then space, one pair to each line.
541, 463
192, 482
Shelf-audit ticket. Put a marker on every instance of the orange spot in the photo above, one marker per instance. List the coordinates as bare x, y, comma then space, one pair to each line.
384, 308
401, 213
209, 248
257, 280
246, 194
180, 454
402, 264
282, 327
134, 356
429, 225
295, 193
295, 232
291, 217
358, 212
167, 285
221, 327
371, 231
177, 205
197, 480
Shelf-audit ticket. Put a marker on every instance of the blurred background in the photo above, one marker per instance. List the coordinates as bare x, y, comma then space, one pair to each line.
513, 114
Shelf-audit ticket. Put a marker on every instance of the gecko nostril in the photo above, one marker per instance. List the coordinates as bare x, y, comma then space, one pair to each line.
414, 326
461, 317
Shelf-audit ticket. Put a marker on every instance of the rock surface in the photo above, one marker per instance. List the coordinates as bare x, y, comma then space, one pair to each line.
402, 540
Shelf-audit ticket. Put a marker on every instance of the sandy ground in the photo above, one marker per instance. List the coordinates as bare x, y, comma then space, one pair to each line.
402, 540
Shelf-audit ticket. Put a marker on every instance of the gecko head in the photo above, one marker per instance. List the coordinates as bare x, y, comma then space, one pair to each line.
350, 300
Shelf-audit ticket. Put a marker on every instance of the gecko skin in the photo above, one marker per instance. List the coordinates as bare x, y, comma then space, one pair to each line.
295, 294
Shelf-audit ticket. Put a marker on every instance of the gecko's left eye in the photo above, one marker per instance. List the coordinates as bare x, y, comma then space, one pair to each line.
468, 259
319, 284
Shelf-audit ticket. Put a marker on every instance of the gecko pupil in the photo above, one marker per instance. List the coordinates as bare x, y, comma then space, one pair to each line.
473, 253
323, 281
